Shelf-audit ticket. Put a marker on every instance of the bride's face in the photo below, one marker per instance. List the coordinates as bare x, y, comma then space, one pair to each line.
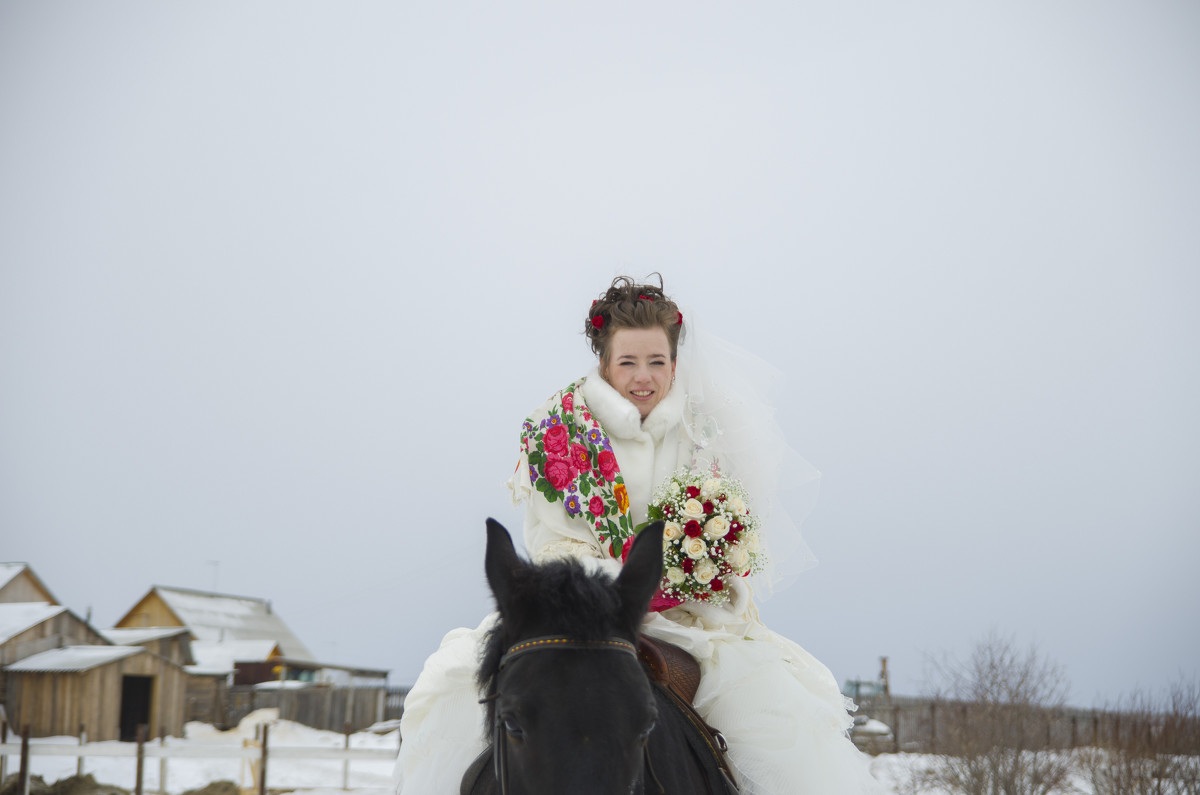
639, 366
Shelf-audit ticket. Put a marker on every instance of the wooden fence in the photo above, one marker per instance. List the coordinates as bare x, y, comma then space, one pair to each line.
933, 726
319, 706
256, 753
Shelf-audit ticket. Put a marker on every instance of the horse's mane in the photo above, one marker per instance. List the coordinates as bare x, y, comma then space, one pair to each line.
556, 598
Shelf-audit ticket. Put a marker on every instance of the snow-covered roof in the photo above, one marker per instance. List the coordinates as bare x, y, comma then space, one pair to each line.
73, 658
138, 636
16, 617
220, 618
10, 570
223, 656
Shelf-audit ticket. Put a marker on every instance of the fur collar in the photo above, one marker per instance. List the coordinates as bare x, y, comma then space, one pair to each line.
621, 419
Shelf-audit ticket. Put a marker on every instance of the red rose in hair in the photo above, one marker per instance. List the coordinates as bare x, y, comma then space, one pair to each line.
598, 321
692, 529
556, 440
568, 402
558, 472
693, 492
596, 506
608, 464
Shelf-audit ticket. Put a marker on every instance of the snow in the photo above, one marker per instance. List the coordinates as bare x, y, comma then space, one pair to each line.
310, 776
136, 637
324, 777
222, 618
16, 617
8, 571
74, 658
221, 656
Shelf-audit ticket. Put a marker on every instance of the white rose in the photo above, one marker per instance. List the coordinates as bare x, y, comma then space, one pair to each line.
715, 528
675, 575
705, 571
692, 509
738, 558
738, 507
694, 548
671, 532
750, 542
711, 488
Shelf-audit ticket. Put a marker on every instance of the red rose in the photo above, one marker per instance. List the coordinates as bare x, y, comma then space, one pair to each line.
668, 510
688, 565
708, 506
625, 549
556, 440
579, 457
693, 492
716, 584
569, 402
608, 465
735, 526
596, 506
692, 529
558, 472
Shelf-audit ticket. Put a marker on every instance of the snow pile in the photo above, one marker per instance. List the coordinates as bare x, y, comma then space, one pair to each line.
310, 776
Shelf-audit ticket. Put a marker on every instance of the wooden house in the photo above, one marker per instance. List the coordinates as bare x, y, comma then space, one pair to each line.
107, 690
28, 628
214, 618
18, 583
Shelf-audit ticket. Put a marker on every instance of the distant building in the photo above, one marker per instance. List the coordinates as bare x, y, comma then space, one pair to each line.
61, 674
18, 583
214, 618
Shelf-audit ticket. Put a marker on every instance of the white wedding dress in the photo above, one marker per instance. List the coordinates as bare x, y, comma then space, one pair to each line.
779, 708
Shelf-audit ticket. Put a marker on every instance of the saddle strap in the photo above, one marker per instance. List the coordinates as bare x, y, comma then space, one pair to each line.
678, 674
671, 666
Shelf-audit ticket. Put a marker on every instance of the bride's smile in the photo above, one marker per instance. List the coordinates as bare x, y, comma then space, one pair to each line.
639, 366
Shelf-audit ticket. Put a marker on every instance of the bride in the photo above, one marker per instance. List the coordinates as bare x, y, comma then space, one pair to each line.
663, 397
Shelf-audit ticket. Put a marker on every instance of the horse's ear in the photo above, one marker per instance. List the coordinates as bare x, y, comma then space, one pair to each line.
641, 574
501, 563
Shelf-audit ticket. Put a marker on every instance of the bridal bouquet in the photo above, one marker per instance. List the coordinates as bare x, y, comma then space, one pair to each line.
709, 536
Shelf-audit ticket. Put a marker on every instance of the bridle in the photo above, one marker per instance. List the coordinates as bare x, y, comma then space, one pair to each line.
547, 643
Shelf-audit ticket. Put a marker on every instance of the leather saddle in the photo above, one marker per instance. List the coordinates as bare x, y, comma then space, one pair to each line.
678, 674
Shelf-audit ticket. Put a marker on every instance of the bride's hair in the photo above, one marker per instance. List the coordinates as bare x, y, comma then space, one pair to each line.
627, 304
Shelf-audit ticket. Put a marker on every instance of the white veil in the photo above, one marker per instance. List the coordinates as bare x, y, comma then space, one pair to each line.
730, 422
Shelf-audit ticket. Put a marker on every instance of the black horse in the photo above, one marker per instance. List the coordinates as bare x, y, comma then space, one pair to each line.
570, 708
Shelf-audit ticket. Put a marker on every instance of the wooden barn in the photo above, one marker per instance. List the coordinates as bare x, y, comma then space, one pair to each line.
18, 583
214, 618
108, 690
31, 627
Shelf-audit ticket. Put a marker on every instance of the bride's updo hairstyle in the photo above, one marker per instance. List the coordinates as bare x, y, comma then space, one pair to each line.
627, 304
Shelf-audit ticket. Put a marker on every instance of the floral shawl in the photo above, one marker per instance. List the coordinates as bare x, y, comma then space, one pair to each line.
571, 460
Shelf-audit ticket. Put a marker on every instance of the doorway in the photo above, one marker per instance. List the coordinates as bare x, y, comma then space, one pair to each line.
135, 705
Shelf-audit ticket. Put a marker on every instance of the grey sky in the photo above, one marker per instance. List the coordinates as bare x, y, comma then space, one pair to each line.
278, 283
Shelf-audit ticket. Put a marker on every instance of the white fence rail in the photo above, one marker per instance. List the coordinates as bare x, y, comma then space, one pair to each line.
257, 753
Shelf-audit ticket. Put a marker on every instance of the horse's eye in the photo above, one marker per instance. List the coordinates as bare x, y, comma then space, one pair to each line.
513, 728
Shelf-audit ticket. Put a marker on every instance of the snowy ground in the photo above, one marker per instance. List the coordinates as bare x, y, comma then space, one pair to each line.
313, 776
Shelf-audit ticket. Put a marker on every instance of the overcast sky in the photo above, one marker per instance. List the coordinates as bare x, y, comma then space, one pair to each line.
279, 282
